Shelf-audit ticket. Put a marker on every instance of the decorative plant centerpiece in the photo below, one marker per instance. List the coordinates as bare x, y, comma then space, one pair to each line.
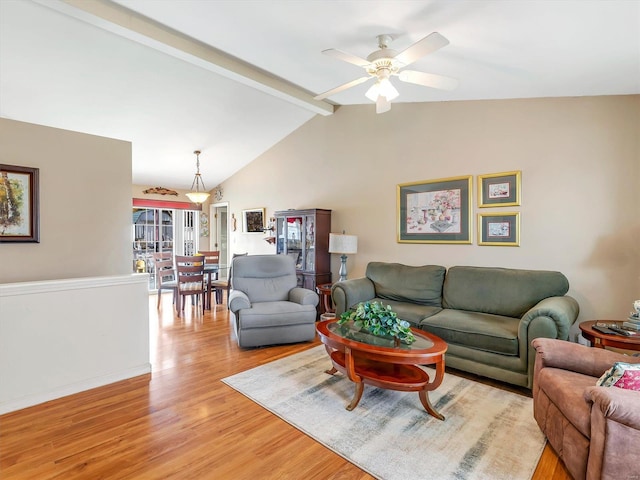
379, 320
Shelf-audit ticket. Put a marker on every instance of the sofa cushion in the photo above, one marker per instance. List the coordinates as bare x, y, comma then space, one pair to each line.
481, 331
404, 283
566, 390
410, 312
500, 291
276, 314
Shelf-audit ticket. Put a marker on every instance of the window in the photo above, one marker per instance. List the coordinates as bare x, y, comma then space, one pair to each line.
156, 230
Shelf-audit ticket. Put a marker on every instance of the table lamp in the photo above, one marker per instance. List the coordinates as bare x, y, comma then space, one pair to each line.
344, 245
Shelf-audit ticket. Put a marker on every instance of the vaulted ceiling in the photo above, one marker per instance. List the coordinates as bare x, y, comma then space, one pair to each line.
234, 77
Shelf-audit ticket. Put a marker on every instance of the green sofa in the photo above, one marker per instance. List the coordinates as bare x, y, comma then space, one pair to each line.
488, 316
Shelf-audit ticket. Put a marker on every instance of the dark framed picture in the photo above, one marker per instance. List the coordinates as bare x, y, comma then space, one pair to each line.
499, 229
435, 211
499, 189
19, 204
253, 220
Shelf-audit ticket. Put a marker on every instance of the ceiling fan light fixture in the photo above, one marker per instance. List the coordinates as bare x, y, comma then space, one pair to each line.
382, 87
198, 193
384, 63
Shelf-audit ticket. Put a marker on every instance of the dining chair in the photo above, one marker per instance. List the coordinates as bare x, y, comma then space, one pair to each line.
210, 257
166, 278
212, 265
158, 257
224, 284
191, 281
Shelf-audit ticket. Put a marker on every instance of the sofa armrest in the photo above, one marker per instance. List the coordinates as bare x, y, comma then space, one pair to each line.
561, 312
238, 300
303, 296
575, 357
348, 293
617, 404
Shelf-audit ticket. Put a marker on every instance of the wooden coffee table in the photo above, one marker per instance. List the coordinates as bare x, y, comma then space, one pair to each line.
372, 360
601, 340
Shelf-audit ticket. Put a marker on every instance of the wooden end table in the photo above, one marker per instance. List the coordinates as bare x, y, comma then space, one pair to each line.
324, 291
376, 361
601, 340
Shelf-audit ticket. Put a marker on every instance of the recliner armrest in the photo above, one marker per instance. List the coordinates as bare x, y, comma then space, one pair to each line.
618, 404
238, 300
575, 357
303, 296
348, 293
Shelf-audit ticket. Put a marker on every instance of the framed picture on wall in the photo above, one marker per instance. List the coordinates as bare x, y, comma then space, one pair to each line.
253, 220
499, 229
435, 211
499, 189
19, 204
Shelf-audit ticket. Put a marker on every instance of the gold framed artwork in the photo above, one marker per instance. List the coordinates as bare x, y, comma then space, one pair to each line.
19, 204
499, 229
253, 220
435, 211
499, 189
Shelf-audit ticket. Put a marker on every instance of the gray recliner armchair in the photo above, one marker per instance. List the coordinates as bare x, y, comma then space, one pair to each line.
266, 305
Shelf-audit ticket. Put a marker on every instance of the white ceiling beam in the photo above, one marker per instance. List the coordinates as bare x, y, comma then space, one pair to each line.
122, 21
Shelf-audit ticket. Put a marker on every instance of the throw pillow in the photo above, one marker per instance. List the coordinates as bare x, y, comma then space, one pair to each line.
621, 375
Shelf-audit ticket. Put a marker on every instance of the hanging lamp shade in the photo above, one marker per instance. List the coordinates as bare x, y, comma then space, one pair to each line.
198, 193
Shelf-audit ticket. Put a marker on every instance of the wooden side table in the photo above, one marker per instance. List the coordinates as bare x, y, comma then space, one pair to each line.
601, 340
324, 291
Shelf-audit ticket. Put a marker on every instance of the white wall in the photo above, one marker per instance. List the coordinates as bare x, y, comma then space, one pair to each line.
580, 164
60, 337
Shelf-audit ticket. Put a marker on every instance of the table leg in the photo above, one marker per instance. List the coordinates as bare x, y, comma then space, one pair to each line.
357, 396
426, 403
424, 394
350, 365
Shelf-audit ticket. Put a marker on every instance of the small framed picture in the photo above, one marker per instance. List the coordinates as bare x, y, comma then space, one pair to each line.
253, 220
499, 189
19, 204
500, 229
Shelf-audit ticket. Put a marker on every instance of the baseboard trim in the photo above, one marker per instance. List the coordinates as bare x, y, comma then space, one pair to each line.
65, 390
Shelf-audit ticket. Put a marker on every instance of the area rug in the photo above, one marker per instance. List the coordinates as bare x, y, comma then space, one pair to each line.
488, 433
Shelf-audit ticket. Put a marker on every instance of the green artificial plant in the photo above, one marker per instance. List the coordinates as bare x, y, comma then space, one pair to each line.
379, 320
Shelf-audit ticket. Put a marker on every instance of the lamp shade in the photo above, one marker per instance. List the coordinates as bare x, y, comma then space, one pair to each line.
344, 244
197, 197
382, 87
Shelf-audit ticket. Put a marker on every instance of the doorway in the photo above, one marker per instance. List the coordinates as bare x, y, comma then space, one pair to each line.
219, 215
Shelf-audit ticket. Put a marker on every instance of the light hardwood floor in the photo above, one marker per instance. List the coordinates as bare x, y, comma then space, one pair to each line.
180, 422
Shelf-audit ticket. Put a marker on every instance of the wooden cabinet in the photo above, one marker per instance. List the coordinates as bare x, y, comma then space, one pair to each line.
304, 235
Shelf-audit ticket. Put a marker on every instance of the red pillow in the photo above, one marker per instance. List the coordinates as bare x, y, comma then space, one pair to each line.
621, 375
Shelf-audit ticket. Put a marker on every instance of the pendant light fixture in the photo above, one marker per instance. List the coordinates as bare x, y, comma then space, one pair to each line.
198, 193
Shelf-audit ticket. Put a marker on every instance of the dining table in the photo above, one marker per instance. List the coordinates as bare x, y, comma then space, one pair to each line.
211, 273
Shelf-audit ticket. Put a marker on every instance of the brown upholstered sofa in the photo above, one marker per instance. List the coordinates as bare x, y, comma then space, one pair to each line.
594, 430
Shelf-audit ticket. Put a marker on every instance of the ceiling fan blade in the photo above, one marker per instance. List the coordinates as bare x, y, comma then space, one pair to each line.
428, 79
382, 104
347, 57
333, 91
427, 45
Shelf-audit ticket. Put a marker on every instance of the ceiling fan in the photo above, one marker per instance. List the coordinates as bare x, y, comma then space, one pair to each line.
385, 63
